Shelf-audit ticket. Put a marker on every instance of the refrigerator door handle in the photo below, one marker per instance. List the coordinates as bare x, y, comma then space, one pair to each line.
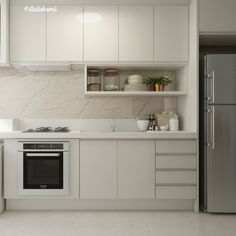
213, 128
213, 87
210, 98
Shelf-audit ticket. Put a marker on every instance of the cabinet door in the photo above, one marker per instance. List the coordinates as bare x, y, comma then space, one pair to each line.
136, 33
136, 169
98, 169
217, 16
171, 33
100, 33
27, 35
65, 34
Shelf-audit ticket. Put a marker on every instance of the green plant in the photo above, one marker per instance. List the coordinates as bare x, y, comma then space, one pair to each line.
158, 80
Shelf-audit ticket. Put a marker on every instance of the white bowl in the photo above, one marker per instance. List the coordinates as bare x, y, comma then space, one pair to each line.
142, 125
164, 127
135, 79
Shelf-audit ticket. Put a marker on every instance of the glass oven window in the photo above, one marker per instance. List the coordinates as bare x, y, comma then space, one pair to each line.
43, 170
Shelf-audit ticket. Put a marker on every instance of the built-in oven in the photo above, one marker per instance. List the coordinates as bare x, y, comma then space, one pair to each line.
43, 168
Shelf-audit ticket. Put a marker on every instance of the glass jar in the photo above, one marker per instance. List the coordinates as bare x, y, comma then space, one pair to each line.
94, 80
111, 80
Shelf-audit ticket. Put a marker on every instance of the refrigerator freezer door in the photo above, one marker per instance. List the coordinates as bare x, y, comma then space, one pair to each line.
221, 158
221, 78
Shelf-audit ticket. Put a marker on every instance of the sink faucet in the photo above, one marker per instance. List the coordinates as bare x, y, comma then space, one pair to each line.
113, 125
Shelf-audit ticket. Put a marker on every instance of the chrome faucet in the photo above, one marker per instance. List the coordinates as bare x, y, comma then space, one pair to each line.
113, 125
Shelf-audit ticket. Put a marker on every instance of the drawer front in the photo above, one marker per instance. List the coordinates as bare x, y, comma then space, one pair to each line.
176, 146
176, 162
176, 192
176, 177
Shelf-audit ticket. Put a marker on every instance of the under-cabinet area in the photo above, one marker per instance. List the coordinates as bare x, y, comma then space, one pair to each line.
149, 172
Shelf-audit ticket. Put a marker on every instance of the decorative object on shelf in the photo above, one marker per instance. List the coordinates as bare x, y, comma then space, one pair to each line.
135, 83
135, 79
174, 123
158, 83
111, 80
94, 80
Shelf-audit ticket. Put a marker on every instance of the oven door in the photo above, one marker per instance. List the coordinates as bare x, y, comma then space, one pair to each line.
43, 172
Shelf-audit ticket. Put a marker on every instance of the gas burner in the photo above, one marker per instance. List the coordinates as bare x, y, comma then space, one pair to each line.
43, 129
61, 129
48, 130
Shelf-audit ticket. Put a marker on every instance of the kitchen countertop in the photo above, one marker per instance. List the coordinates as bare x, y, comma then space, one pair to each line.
77, 134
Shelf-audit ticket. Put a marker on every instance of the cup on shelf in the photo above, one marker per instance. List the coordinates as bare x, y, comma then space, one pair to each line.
142, 125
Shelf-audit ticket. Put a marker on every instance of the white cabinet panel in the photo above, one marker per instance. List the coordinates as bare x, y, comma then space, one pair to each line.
136, 169
135, 33
2, 202
176, 162
176, 192
100, 33
27, 35
176, 177
176, 147
217, 16
171, 33
65, 34
98, 169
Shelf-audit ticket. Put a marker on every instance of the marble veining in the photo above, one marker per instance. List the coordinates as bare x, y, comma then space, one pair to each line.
25, 94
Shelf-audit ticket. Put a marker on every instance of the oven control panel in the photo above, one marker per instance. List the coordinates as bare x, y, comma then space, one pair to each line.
30, 146
37, 145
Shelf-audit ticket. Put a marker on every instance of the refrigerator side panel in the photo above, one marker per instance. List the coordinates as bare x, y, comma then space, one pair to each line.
221, 159
202, 133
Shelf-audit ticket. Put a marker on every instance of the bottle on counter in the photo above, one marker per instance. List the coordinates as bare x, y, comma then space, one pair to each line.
152, 122
174, 123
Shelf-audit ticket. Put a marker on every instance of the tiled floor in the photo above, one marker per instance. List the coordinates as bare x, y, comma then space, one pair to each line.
70, 223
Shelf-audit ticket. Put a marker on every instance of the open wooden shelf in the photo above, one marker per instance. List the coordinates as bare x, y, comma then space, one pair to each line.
136, 93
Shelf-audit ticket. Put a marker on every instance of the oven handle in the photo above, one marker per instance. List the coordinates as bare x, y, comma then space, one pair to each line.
42, 154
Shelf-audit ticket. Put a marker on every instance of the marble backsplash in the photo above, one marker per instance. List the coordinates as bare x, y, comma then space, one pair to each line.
25, 94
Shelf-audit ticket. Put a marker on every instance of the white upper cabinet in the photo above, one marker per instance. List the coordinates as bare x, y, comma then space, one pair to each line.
217, 16
65, 34
136, 33
4, 32
98, 169
136, 169
27, 35
100, 33
171, 33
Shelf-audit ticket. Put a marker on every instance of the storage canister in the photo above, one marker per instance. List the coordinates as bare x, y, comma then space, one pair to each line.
94, 80
174, 123
111, 80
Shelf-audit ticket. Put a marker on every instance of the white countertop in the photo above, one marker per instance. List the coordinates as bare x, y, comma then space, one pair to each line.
77, 134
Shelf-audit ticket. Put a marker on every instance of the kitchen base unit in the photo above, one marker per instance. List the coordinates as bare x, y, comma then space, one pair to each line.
113, 173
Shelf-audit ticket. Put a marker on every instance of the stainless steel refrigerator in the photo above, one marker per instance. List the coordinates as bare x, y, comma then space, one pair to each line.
218, 133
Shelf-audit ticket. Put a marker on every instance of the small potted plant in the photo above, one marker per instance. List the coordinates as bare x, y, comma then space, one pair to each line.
158, 83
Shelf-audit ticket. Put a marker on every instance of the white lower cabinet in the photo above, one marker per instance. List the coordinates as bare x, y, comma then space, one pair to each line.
176, 192
176, 169
98, 169
136, 169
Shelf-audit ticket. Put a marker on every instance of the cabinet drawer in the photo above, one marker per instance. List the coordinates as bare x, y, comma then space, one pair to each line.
176, 146
176, 192
176, 177
176, 162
